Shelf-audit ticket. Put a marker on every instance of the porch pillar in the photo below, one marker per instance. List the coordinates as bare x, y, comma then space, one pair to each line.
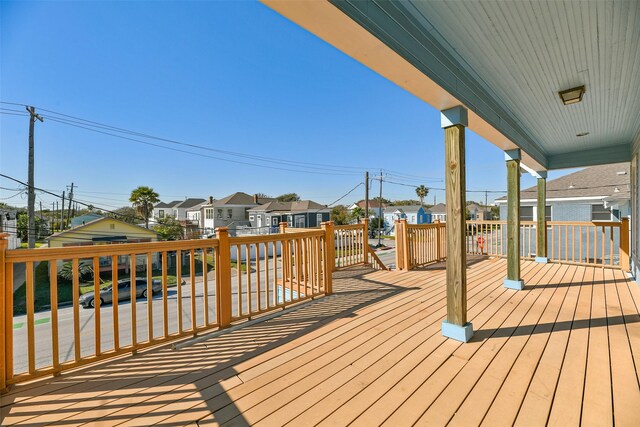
541, 225
513, 280
454, 121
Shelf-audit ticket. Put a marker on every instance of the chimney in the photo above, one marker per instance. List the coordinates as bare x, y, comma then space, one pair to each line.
210, 200
255, 199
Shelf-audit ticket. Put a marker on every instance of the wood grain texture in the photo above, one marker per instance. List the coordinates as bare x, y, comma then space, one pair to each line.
513, 219
541, 223
454, 140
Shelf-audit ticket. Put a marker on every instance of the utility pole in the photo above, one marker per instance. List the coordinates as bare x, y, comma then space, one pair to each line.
70, 201
380, 217
31, 232
62, 214
485, 205
366, 197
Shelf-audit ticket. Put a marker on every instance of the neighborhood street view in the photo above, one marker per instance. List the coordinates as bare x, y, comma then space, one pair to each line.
320, 212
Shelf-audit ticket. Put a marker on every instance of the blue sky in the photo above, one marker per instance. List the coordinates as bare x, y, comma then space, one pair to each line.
231, 76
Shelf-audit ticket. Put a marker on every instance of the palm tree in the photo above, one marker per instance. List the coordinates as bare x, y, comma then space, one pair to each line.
143, 199
422, 192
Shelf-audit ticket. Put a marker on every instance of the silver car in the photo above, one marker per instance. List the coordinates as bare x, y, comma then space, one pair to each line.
88, 300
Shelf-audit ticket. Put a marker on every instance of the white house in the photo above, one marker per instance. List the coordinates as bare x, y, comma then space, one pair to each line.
596, 193
231, 211
9, 225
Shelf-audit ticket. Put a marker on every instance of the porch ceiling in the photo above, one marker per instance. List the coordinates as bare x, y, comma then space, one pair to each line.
506, 62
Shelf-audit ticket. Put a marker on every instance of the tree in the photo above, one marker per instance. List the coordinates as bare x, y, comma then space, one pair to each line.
356, 214
169, 229
340, 215
377, 223
422, 192
143, 199
23, 226
406, 202
125, 213
383, 200
288, 197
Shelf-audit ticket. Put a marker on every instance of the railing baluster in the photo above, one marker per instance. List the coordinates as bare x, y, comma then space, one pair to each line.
149, 297
179, 289
248, 270
53, 292
610, 245
239, 270
97, 298
205, 285
258, 300
165, 299
192, 278
114, 302
133, 260
30, 317
603, 238
76, 308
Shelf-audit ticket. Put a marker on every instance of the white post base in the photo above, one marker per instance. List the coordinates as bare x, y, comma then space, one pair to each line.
518, 285
542, 259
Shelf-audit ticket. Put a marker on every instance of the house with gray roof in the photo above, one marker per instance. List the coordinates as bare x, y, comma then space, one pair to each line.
299, 214
439, 212
230, 211
596, 193
176, 209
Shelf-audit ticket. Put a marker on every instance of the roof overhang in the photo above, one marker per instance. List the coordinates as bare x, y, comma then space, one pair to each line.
400, 41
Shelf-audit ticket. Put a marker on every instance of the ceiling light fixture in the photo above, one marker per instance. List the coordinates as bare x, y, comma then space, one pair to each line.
572, 96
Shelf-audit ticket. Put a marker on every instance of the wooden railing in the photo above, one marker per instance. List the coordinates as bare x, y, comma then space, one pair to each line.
351, 245
419, 244
270, 272
603, 244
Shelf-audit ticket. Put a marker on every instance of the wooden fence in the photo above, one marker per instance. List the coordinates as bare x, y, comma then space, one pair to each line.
213, 295
604, 244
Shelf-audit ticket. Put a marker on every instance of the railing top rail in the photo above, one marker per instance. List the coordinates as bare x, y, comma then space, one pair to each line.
348, 227
246, 240
88, 251
434, 225
299, 229
586, 223
583, 223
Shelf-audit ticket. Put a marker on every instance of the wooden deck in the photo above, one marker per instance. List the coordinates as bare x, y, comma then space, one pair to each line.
565, 351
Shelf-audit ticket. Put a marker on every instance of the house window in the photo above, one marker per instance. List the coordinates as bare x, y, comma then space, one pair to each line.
161, 213
318, 219
526, 213
229, 213
600, 213
251, 218
112, 226
274, 221
208, 213
547, 213
219, 213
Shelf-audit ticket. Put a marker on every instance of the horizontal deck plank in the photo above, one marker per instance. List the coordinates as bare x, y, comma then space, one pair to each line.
565, 350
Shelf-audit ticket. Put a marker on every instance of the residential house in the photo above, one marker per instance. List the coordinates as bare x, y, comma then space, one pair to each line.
231, 211
102, 231
439, 212
83, 219
414, 214
165, 209
300, 214
478, 213
9, 225
374, 207
176, 209
596, 193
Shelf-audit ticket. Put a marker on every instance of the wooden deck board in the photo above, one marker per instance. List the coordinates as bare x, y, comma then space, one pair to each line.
566, 350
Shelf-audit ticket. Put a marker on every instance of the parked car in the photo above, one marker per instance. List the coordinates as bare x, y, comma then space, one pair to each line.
88, 300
